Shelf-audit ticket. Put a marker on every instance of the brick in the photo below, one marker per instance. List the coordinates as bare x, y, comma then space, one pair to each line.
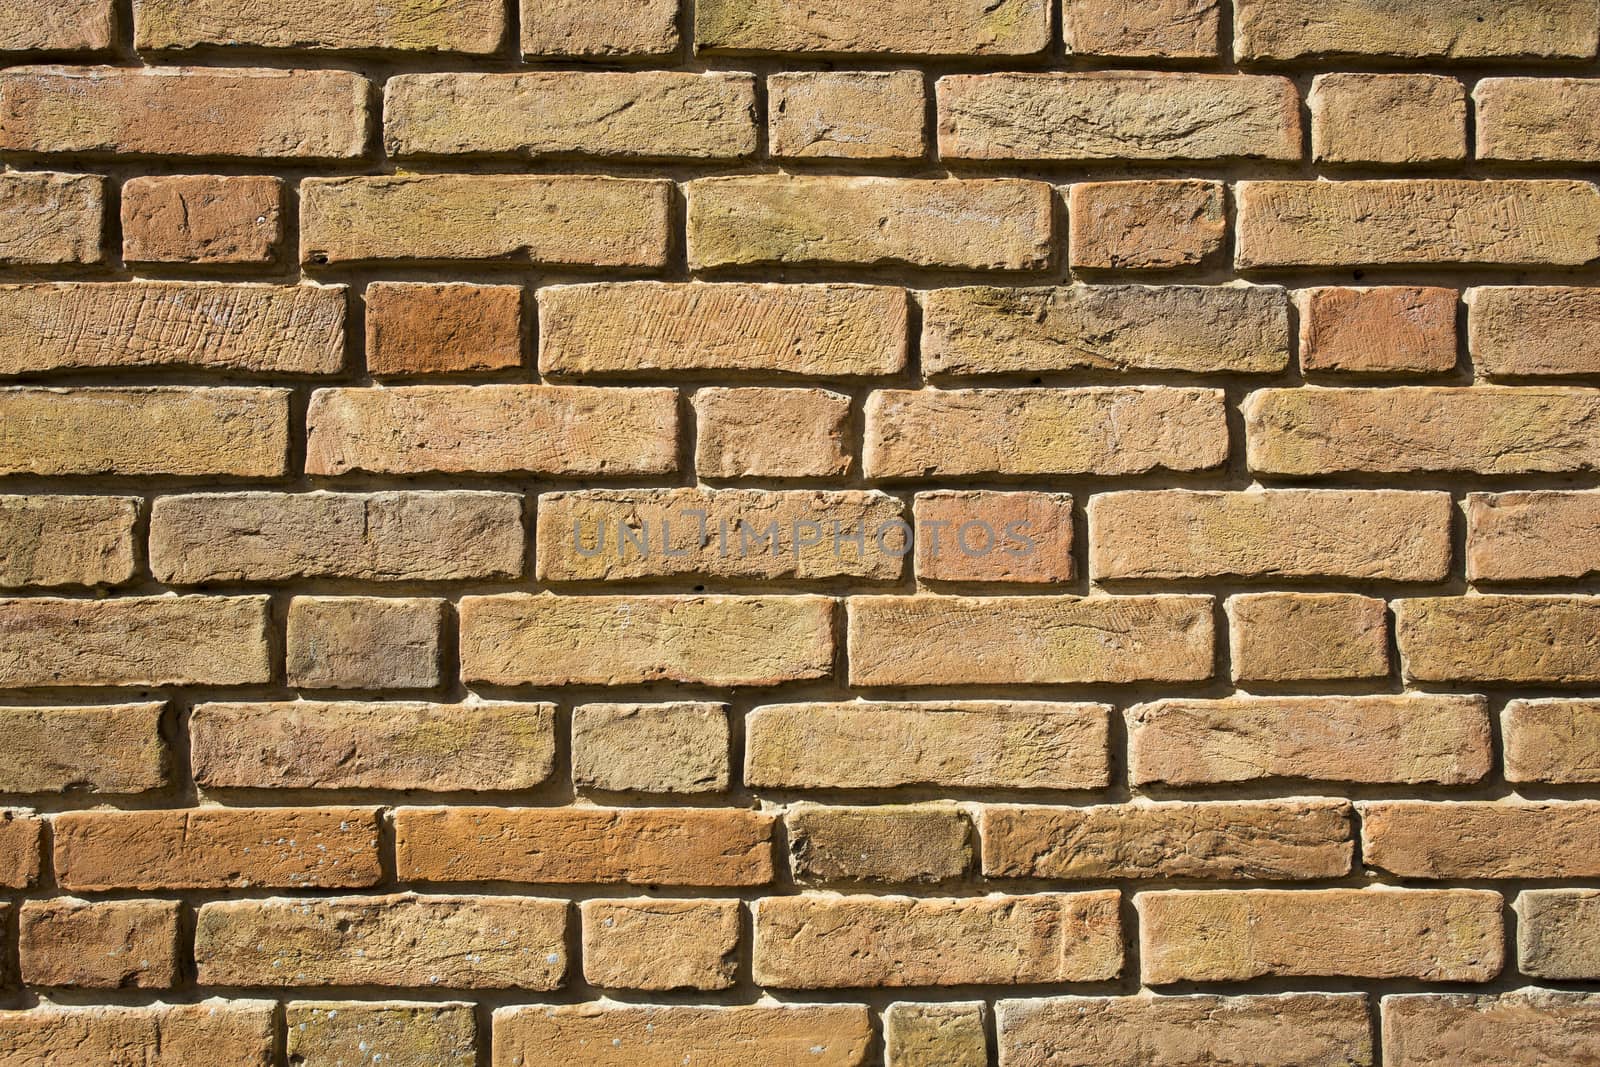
1448, 935
772, 433
51, 219
573, 431
606, 114
1521, 1029
974, 536
922, 433
1146, 225
219, 1033
874, 27
964, 744
1267, 839
189, 112
393, 745
781, 220
898, 844
1543, 120
856, 114
1131, 115
553, 219
817, 941
101, 748
1033, 640
609, 1034
651, 748
1532, 330
1395, 329
1482, 839
385, 536
394, 1034
660, 944
1413, 739
1475, 29
1556, 741
1307, 637
470, 26
414, 328
520, 639
66, 540
1484, 429
400, 941
57, 26
359, 642
20, 838
1275, 1030
201, 218
1424, 118
217, 848
753, 534
281, 329
630, 846
1532, 535
113, 944
645, 328
1558, 933
1549, 640
1195, 328
1274, 533
135, 641
578, 28
1415, 222
936, 1035
1166, 29
125, 433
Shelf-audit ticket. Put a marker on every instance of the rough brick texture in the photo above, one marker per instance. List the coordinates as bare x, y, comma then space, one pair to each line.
760, 533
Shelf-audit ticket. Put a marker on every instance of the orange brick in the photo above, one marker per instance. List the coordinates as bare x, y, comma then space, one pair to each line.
1388, 330
1525, 1028
1424, 118
1146, 225
470, 26
846, 115
579, 28
771, 433
201, 219
21, 836
219, 1033
661, 944
1151, 29
972, 536
1294, 637
107, 748
57, 26
421, 329
1532, 330
50, 219
114, 944
1480, 839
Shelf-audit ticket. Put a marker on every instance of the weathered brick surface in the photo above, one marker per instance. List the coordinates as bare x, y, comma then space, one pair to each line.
105, 748
1294, 637
936, 1035
931, 27
846, 115
970, 536
1164, 29
396, 1034
419, 329
1535, 639
20, 839
1480, 839
359, 642
651, 748
661, 944
49, 219
1558, 933
201, 218
114, 944
57, 26
1521, 1029
772, 433
74, 540
579, 28
1532, 536
1476, 29
1212, 936
1554, 741
899, 844
1145, 225
1532, 330
1424, 118
471, 26
1385, 330
225, 1033
1537, 119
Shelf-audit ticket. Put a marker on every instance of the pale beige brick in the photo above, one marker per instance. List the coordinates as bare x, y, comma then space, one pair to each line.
468, 26
400, 941
1146, 225
874, 27
924, 433
646, 115
1451, 935
1548, 640
1385, 330
555, 219
1299, 637
57, 26
1556, 741
1558, 933
360, 642
1195, 328
491, 429
889, 843
816, 941
1482, 839
1483, 429
173, 430
1134, 115
1473, 29
213, 113
219, 1033
390, 1034
1249, 839
202, 218
581, 28
1274, 533
96, 748
1038, 640
1415, 222
772, 433
520, 639
646, 328
1528, 1028
66, 540
51, 219
135, 641
632, 846
780, 219
1387, 118
1533, 535
973, 536
386, 536
936, 1035
964, 744
1542, 120
660, 944
651, 748
866, 114
1533, 330
1141, 29
1413, 739
112, 944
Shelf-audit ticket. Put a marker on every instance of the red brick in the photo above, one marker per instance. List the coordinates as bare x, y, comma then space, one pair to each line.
113, 944
420, 329
1387, 330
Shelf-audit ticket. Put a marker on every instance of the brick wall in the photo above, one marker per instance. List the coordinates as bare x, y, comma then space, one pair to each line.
911, 532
